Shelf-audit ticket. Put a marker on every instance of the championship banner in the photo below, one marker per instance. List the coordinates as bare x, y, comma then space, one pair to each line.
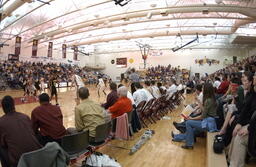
17, 46
64, 51
34, 48
50, 49
75, 52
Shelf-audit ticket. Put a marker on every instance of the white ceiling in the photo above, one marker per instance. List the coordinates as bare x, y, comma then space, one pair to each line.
103, 25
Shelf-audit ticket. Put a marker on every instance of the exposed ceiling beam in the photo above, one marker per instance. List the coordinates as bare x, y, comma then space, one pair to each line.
135, 22
250, 12
21, 17
12, 7
74, 11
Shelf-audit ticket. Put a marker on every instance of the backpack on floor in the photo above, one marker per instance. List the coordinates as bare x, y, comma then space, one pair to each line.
100, 160
218, 144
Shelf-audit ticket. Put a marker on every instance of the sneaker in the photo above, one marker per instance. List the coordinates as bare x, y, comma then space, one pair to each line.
172, 134
179, 128
187, 147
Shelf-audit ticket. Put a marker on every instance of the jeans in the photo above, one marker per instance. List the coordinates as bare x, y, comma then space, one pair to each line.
192, 126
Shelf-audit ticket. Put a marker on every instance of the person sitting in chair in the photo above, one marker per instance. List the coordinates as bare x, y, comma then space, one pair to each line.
123, 104
88, 114
16, 134
205, 121
49, 119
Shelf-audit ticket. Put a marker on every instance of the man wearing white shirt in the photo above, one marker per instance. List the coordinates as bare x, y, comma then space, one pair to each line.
148, 90
149, 95
180, 86
78, 83
101, 86
216, 83
139, 95
155, 90
172, 88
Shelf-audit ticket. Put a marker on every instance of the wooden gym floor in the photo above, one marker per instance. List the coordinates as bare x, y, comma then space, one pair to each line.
159, 151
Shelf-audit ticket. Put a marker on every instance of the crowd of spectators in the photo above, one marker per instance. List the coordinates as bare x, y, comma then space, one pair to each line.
163, 73
225, 101
234, 90
14, 74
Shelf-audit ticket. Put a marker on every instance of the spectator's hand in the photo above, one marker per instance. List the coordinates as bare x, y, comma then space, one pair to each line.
200, 105
233, 101
188, 118
236, 130
231, 120
243, 131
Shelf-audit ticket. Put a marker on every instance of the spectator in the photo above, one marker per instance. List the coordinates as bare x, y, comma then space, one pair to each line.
155, 90
129, 95
148, 90
123, 104
196, 109
88, 114
16, 134
216, 83
112, 96
139, 95
134, 77
172, 88
223, 88
240, 116
239, 145
49, 119
205, 121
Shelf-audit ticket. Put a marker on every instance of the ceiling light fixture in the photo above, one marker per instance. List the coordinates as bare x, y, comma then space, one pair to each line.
149, 15
153, 5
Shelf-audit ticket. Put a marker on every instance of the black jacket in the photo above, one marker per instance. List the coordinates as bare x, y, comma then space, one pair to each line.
249, 106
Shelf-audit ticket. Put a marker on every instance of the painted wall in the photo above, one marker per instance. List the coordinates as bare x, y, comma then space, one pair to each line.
182, 58
252, 52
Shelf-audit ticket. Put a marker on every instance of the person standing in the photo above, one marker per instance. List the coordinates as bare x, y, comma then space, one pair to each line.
79, 83
101, 86
134, 77
42, 85
53, 89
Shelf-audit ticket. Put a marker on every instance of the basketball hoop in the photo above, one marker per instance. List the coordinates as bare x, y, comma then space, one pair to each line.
144, 49
144, 57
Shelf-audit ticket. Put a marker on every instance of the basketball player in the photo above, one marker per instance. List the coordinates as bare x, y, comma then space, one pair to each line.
24, 85
42, 85
101, 86
78, 82
53, 89
29, 89
37, 86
